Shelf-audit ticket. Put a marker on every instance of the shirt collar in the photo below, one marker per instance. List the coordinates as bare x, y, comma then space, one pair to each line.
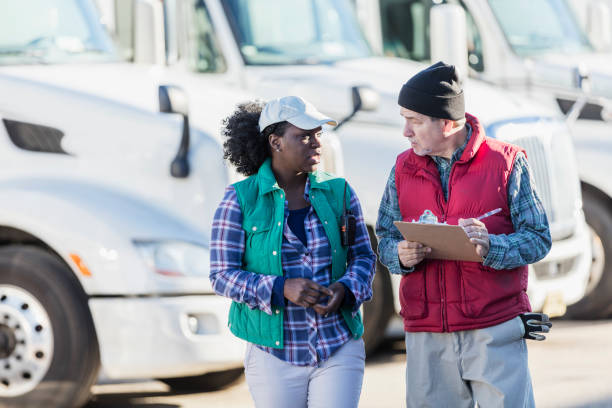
267, 181
265, 178
457, 154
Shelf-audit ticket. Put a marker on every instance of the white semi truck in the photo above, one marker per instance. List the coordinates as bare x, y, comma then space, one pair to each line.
105, 214
316, 49
538, 49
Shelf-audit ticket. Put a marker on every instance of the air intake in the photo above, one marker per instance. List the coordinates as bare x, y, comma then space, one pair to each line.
35, 138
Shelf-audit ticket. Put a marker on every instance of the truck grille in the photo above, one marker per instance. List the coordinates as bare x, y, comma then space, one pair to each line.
539, 161
551, 158
551, 270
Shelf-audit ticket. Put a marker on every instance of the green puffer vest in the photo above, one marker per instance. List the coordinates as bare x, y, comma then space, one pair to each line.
262, 203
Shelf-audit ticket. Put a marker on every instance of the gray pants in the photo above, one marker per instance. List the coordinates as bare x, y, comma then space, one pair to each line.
485, 366
336, 383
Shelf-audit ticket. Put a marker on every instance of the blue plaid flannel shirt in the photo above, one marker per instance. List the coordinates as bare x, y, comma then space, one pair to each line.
309, 338
528, 244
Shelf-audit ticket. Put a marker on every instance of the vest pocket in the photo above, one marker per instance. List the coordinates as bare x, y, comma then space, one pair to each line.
413, 295
255, 229
485, 291
473, 285
257, 252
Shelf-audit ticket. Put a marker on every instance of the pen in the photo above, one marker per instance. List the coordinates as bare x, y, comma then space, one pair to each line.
488, 214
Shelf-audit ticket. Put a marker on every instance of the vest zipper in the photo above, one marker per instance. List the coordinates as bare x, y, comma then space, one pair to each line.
443, 205
442, 297
442, 283
449, 186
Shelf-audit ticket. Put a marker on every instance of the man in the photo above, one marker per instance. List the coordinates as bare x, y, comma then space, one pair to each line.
464, 333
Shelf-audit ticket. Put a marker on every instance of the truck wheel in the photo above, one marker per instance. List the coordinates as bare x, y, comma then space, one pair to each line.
597, 302
48, 349
207, 382
378, 311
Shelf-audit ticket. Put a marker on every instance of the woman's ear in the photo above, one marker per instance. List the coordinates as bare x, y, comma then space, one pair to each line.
275, 142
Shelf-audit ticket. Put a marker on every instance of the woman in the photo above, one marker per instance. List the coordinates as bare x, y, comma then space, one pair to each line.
276, 251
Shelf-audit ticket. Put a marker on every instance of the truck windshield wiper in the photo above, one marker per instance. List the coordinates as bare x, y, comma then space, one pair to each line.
29, 54
12, 52
307, 61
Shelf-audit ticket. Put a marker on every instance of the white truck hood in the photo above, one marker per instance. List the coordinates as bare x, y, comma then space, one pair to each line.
597, 65
328, 88
137, 86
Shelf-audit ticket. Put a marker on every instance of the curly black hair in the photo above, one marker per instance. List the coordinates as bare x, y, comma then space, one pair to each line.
245, 146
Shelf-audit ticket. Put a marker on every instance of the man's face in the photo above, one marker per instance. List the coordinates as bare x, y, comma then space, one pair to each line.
424, 132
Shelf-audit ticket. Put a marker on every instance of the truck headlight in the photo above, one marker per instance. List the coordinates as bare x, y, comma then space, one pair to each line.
175, 258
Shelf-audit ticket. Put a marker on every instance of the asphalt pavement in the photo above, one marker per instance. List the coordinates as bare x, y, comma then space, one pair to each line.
571, 368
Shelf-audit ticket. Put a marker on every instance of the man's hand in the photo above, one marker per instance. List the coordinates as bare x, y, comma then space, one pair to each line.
411, 253
477, 233
305, 292
334, 301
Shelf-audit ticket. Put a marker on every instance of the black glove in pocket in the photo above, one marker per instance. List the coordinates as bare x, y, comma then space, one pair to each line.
535, 323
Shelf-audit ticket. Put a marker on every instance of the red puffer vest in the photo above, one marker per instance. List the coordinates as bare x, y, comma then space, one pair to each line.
446, 296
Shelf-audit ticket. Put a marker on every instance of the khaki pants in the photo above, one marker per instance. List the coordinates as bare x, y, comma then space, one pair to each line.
336, 383
485, 366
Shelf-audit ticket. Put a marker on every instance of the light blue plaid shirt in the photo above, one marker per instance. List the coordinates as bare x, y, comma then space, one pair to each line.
528, 244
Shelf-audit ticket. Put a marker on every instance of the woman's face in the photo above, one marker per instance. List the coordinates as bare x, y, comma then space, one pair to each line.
300, 149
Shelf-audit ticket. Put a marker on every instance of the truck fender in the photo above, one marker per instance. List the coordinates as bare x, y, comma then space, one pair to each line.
96, 223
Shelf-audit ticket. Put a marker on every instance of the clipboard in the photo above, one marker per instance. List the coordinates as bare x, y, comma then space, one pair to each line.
448, 242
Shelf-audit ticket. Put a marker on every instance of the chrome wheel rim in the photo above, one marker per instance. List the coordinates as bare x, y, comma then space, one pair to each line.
26, 341
598, 262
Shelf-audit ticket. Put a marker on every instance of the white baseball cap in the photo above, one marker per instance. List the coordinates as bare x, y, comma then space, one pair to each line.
294, 110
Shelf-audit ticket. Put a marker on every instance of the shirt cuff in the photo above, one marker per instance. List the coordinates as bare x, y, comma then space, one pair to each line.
349, 298
278, 292
497, 249
396, 267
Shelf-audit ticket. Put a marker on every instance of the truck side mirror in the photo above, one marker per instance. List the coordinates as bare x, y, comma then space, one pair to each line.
583, 83
448, 36
582, 78
606, 111
364, 99
599, 28
173, 99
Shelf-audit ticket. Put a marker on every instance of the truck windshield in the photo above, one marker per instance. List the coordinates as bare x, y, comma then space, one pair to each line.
537, 27
281, 32
52, 32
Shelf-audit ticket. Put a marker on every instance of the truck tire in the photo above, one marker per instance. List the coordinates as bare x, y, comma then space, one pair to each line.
597, 302
213, 381
49, 353
378, 311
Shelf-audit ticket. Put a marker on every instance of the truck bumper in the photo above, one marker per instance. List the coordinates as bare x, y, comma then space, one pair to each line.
163, 337
561, 277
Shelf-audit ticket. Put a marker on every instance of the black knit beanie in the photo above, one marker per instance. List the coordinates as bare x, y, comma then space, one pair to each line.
435, 91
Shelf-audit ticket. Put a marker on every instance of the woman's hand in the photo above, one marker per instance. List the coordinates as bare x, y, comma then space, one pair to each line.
304, 292
334, 302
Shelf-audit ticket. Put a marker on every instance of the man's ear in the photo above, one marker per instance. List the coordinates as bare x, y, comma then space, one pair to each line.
447, 127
